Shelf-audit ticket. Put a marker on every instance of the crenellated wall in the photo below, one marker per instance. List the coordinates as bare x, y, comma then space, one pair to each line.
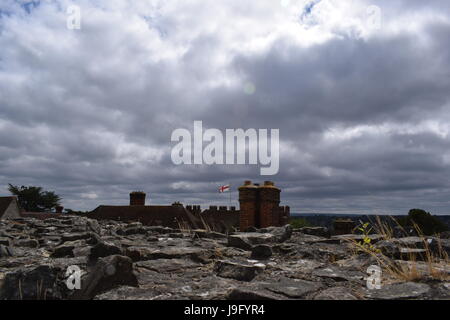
222, 219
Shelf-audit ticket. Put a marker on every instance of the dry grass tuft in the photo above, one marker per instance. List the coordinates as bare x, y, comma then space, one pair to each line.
435, 265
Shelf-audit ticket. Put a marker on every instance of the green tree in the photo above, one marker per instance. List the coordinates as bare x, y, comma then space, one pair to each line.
34, 198
427, 223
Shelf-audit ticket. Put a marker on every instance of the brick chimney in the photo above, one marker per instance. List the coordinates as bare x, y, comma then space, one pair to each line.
260, 206
59, 209
137, 198
269, 197
249, 206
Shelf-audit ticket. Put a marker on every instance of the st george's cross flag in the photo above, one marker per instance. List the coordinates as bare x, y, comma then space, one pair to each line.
222, 189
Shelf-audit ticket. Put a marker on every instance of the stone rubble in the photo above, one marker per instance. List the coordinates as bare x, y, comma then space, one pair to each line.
133, 261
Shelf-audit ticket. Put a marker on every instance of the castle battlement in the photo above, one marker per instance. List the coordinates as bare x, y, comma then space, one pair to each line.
218, 209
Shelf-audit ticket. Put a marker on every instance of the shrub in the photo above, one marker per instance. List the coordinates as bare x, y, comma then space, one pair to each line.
299, 223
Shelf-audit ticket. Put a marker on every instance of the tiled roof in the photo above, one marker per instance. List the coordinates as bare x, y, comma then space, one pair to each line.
150, 215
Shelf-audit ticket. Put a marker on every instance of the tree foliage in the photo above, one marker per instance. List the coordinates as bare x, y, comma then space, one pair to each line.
428, 224
35, 199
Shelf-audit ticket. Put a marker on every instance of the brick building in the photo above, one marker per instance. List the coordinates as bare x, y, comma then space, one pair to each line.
169, 216
259, 207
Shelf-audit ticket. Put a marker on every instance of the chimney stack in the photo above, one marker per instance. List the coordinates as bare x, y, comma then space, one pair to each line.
59, 209
249, 206
137, 198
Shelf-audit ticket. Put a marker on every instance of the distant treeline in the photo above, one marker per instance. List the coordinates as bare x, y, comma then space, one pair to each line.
326, 220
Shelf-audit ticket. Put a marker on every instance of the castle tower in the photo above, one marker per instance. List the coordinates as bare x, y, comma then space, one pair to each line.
137, 198
269, 197
249, 209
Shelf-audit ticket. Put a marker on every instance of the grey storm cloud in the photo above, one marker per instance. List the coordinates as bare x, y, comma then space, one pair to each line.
363, 113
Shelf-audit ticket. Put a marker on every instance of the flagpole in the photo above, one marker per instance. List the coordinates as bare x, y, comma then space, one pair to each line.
230, 195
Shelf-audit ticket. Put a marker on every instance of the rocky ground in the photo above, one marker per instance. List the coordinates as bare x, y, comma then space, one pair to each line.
131, 261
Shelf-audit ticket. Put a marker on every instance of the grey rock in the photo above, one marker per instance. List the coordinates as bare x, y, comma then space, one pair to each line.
399, 291
251, 294
285, 249
237, 271
31, 283
167, 265
131, 231
413, 254
93, 239
27, 243
108, 273
45, 241
5, 241
130, 293
293, 288
6, 251
315, 231
82, 251
146, 253
440, 247
348, 238
281, 234
135, 225
209, 234
63, 251
339, 274
160, 230
336, 293
75, 236
299, 266
176, 235
104, 249
411, 242
261, 251
237, 241
245, 240
94, 226
388, 248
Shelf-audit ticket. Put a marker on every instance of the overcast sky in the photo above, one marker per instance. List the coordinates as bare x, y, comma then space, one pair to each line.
361, 95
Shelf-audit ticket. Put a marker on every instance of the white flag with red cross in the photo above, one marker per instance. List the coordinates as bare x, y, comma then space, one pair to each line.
224, 188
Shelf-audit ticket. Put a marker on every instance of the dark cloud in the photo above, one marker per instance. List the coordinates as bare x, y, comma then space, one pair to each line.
363, 114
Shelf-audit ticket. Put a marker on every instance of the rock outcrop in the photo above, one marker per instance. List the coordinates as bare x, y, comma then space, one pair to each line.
132, 261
